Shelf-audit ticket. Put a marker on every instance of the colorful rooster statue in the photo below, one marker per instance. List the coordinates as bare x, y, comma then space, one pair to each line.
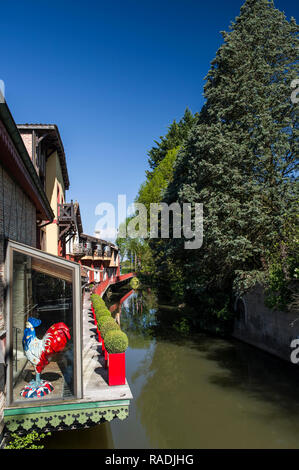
39, 353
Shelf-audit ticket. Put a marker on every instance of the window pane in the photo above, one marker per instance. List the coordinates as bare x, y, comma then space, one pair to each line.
42, 320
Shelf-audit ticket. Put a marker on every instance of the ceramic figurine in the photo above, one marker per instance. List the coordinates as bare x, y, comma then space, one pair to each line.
39, 352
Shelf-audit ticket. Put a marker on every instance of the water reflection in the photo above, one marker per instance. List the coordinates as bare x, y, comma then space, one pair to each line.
205, 392
97, 437
197, 391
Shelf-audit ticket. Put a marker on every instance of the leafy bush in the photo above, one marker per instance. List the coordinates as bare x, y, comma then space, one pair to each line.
26, 442
116, 342
278, 295
109, 326
99, 307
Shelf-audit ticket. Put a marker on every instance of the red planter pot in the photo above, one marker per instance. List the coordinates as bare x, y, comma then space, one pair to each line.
94, 315
117, 369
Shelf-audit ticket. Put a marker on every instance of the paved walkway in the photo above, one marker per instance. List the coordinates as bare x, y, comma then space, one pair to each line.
95, 376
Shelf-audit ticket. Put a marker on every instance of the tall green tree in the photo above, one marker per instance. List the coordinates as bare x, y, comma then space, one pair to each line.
177, 133
152, 190
241, 160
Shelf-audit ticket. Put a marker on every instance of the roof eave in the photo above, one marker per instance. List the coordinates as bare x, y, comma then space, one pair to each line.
14, 134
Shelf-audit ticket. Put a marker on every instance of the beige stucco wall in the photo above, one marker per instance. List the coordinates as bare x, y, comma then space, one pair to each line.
54, 180
27, 139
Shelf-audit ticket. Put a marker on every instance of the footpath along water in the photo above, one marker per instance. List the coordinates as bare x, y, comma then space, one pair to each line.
194, 391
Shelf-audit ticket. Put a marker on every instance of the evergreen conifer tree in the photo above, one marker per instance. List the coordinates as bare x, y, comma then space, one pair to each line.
240, 161
175, 136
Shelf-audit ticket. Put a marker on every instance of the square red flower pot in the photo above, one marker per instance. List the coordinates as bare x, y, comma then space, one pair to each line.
99, 336
94, 315
117, 369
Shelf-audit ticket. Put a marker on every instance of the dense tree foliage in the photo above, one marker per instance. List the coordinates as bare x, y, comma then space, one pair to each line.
177, 133
239, 158
152, 190
240, 161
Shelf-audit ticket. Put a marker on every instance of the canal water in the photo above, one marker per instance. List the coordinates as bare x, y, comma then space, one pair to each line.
193, 390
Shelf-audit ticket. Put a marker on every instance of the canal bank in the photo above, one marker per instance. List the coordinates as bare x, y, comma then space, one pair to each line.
268, 329
194, 391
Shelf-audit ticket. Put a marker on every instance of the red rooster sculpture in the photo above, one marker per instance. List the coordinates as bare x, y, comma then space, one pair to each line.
39, 353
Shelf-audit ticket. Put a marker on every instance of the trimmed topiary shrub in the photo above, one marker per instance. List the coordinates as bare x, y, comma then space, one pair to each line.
97, 299
116, 342
98, 305
100, 309
109, 326
102, 320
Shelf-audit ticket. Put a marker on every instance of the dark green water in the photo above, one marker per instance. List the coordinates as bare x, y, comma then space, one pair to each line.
194, 391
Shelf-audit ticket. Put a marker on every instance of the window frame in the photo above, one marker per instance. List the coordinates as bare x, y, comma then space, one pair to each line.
77, 321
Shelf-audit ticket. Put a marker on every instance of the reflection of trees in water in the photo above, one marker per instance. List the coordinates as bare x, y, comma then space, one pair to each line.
95, 437
169, 403
182, 379
163, 401
138, 314
259, 374
141, 313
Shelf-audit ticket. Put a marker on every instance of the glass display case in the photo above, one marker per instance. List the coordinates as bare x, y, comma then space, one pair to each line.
44, 326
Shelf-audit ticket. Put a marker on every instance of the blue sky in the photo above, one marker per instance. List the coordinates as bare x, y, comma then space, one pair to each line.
112, 75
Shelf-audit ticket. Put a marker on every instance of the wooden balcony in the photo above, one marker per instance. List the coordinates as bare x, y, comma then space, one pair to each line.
98, 253
80, 250
66, 212
66, 219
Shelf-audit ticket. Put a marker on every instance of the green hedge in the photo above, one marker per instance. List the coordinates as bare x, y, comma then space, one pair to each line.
109, 326
102, 320
99, 306
116, 342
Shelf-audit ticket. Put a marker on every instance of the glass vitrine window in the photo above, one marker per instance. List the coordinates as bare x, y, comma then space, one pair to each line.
43, 312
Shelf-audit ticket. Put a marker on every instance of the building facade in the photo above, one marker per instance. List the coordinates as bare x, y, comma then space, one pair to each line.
45, 259
24, 208
46, 150
100, 257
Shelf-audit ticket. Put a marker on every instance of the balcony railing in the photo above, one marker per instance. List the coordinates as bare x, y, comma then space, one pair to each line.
80, 249
98, 253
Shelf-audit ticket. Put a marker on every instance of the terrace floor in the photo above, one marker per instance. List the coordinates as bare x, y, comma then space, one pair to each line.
95, 376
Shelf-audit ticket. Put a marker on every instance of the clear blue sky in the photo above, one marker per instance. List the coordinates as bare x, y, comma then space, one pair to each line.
112, 75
